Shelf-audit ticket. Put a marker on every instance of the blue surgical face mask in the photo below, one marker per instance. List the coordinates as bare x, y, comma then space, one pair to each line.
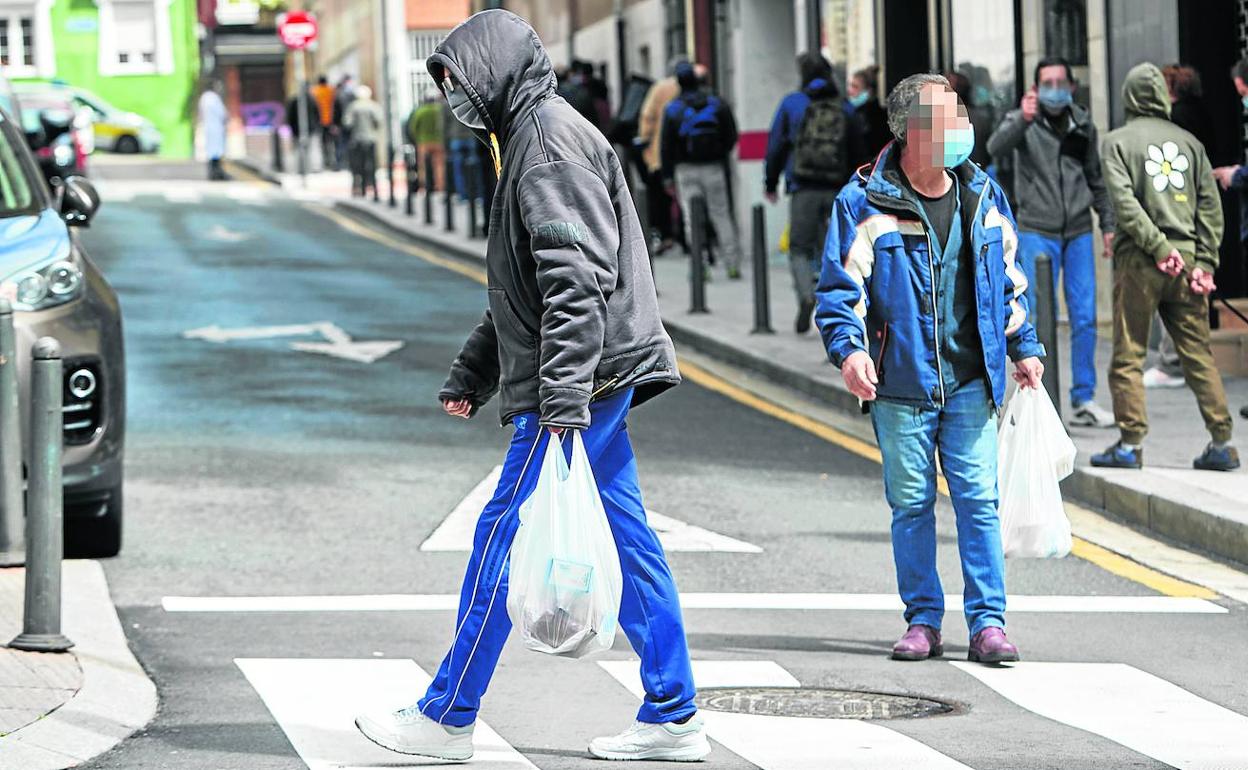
860, 98
1244, 101
1054, 99
958, 144
461, 107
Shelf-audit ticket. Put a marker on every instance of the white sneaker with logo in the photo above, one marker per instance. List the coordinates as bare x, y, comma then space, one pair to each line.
408, 731
668, 741
1156, 377
1090, 414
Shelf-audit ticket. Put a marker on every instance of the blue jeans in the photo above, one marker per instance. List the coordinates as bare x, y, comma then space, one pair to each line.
964, 431
650, 607
1073, 262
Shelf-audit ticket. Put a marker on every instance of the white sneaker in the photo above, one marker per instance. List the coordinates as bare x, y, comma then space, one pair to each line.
669, 741
408, 731
1090, 414
1156, 377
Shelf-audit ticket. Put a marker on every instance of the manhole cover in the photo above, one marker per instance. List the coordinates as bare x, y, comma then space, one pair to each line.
818, 703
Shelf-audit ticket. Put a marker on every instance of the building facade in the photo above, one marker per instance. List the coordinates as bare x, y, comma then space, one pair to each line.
141, 56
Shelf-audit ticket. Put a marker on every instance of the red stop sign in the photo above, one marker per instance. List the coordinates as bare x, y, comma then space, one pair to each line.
297, 29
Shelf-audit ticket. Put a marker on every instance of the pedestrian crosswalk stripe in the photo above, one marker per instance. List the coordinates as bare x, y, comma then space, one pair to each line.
1143, 712
455, 533
1151, 605
793, 743
183, 195
315, 701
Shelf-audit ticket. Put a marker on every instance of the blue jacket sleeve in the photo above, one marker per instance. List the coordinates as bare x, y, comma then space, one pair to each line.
1020, 335
844, 291
778, 147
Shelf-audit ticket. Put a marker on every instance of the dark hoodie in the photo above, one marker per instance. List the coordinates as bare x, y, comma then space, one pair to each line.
1159, 179
785, 126
573, 312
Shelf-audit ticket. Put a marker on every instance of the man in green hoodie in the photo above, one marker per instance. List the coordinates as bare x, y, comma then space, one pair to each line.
1166, 251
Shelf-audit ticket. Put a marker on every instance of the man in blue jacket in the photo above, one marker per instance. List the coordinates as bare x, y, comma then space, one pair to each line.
815, 140
919, 303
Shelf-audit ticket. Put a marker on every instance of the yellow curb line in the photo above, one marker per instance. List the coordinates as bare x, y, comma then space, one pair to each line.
1101, 557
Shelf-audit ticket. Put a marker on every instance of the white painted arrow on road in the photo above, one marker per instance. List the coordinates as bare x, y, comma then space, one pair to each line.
456, 531
338, 343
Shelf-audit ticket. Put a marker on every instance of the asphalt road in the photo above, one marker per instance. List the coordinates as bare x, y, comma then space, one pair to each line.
254, 469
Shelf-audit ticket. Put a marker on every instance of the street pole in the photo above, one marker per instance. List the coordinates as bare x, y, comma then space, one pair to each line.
1045, 316
385, 74
12, 540
301, 75
41, 623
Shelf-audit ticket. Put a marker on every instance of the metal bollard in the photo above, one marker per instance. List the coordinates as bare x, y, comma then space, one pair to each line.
278, 164
1044, 314
762, 293
12, 538
394, 202
41, 628
429, 188
474, 186
449, 202
697, 252
409, 174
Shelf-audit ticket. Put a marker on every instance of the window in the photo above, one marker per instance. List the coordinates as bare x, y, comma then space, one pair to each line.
16, 195
135, 37
135, 28
420, 46
18, 46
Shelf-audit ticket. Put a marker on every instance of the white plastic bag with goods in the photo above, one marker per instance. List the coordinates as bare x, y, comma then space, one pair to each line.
565, 585
1033, 455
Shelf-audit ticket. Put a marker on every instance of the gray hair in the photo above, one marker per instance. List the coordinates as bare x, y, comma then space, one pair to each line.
902, 98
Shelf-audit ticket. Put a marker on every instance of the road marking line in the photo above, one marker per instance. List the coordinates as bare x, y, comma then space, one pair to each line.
1143, 712
1101, 557
347, 223
457, 530
793, 743
175, 194
315, 702
1151, 605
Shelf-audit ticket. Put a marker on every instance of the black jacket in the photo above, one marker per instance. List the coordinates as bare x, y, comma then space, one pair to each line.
573, 312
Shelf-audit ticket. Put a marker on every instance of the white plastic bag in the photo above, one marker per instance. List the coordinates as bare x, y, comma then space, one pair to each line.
565, 584
1034, 453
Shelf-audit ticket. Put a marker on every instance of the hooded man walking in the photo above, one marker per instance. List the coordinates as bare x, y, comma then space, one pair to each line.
571, 341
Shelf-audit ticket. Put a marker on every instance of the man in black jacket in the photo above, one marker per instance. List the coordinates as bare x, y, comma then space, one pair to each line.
572, 339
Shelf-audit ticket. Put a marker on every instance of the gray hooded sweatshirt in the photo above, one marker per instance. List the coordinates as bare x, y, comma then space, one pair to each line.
573, 315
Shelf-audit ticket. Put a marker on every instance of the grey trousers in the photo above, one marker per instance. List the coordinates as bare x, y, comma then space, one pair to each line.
809, 211
709, 181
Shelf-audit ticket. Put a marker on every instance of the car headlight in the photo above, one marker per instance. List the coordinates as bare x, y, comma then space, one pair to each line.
44, 287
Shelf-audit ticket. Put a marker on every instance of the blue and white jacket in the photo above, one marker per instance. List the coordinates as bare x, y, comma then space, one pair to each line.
877, 291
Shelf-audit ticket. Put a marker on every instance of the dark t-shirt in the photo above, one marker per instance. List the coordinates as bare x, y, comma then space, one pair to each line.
939, 212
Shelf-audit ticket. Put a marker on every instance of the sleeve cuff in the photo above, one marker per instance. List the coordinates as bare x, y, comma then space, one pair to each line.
565, 408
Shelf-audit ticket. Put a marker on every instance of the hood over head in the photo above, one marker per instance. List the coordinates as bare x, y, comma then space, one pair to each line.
811, 66
1144, 92
497, 58
822, 88
686, 76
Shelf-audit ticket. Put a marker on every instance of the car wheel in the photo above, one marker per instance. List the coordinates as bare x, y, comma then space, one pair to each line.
127, 144
95, 537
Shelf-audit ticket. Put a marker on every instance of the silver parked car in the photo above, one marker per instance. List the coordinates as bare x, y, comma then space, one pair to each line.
57, 291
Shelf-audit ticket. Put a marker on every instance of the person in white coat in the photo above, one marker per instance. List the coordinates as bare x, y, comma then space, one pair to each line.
212, 119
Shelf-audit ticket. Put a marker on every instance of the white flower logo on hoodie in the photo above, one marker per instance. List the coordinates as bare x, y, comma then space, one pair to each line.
1166, 165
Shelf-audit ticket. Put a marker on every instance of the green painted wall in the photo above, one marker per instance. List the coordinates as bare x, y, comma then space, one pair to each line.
166, 100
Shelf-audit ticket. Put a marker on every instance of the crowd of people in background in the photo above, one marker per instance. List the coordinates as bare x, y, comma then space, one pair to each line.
681, 135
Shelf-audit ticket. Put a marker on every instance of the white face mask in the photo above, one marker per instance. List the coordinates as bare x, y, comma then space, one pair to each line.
461, 107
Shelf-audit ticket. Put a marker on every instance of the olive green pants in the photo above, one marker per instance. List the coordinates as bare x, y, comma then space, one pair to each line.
1140, 290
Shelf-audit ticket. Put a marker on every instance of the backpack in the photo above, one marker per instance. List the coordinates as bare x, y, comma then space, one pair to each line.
819, 157
700, 130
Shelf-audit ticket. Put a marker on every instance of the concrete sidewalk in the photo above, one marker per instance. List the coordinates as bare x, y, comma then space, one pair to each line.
1200, 509
58, 710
